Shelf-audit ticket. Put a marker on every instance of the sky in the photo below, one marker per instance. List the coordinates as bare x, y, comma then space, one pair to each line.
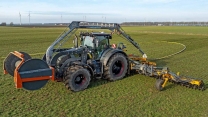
65, 11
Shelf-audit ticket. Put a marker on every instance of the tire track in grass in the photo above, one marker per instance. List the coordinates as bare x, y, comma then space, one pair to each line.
150, 59
170, 33
173, 53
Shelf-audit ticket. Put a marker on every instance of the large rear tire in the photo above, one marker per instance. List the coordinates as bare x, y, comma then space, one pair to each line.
77, 78
116, 68
13, 61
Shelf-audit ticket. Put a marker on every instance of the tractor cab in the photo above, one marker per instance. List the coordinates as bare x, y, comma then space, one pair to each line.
97, 42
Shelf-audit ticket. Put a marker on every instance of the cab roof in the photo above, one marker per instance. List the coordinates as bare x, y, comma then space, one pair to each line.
94, 34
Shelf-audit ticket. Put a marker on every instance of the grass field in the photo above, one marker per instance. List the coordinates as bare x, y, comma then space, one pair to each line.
132, 96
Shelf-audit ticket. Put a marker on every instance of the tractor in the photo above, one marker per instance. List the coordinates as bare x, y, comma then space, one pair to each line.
91, 57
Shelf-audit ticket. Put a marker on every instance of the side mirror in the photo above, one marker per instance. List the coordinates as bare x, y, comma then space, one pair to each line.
123, 46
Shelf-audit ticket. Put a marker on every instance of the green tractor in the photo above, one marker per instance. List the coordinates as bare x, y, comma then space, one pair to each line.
96, 59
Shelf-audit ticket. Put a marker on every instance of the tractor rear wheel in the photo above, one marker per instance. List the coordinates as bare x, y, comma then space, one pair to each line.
116, 68
77, 78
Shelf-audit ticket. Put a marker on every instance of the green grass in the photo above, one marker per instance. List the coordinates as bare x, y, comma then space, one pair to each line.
132, 96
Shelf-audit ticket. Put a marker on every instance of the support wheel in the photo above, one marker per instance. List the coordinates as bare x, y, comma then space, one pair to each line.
159, 83
77, 78
116, 68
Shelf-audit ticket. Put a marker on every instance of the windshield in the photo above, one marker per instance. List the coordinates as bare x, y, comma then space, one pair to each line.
88, 41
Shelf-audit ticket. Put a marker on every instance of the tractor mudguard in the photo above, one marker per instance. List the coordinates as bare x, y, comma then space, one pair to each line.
74, 61
67, 52
32, 74
66, 62
106, 55
55, 58
86, 66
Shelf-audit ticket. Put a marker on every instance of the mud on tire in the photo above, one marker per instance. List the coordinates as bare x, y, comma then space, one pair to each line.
116, 67
76, 78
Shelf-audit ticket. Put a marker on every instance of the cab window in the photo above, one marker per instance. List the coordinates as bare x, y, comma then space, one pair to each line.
88, 41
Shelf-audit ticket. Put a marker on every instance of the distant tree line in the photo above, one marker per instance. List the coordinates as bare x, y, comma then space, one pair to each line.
123, 24
4, 24
34, 24
164, 23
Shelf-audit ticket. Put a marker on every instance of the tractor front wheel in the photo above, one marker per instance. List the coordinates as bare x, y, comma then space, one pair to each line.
77, 78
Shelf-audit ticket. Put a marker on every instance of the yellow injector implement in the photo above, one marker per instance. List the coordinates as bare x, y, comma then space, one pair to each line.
163, 74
